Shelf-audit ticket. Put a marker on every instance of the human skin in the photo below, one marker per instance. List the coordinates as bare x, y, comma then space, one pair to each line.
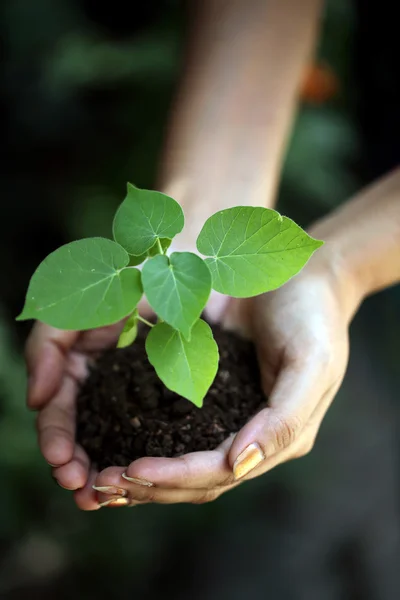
234, 108
301, 335
227, 135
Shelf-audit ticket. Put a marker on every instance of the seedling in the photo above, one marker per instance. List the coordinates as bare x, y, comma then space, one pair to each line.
95, 282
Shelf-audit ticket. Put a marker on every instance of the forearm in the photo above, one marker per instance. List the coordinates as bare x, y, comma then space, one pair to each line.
363, 239
233, 112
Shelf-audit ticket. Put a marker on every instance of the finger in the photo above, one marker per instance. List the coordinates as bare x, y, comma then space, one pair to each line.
74, 474
304, 443
45, 354
99, 339
290, 453
110, 486
276, 427
86, 497
197, 470
56, 425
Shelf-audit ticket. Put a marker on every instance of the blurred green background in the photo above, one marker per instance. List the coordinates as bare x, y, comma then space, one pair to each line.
85, 91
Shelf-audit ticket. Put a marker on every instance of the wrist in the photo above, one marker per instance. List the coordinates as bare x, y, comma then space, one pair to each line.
211, 194
200, 199
331, 262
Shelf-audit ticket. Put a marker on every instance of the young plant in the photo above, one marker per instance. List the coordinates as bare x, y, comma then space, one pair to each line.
94, 282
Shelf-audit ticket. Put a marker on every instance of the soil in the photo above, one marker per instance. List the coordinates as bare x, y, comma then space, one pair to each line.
125, 412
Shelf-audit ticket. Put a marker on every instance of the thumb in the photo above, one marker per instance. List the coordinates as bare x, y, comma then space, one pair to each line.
276, 427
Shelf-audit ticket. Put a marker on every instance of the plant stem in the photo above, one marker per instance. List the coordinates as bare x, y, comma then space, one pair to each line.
160, 248
145, 321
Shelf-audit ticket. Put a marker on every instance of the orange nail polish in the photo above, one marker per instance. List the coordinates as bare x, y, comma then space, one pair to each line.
115, 502
248, 460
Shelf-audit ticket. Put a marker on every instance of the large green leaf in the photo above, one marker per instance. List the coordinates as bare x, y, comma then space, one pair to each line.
253, 250
143, 217
177, 288
83, 285
187, 368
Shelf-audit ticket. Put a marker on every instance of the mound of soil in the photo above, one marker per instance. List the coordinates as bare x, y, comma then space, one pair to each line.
125, 412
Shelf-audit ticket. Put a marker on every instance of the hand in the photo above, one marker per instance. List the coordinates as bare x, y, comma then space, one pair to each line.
57, 362
301, 334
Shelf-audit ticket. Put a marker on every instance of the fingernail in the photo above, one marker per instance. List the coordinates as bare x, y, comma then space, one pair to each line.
110, 489
65, 488
115, 502
60, 485
247, 460
138, 481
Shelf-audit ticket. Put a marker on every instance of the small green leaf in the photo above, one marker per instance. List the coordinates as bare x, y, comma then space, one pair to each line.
83, 285
143, 217
154, 250
129, 332
187, 368
253, 250
177, 288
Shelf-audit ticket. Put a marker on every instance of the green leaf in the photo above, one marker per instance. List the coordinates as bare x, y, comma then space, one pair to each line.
177, 288
83, 285
129, 332
134, 261
253, 250
143, 217
187, 368
154, 250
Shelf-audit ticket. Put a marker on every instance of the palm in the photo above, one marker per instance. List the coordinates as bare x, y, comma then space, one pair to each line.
304, 340
300, 318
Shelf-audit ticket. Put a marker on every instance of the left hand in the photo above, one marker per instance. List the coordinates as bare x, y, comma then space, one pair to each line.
301, 335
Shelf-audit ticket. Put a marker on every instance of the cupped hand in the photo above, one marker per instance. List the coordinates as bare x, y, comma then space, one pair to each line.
301, 335
57, 363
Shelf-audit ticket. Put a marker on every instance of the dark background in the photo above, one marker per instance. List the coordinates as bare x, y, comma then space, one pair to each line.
85, 92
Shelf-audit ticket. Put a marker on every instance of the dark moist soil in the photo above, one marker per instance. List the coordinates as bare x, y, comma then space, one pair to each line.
125, 412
